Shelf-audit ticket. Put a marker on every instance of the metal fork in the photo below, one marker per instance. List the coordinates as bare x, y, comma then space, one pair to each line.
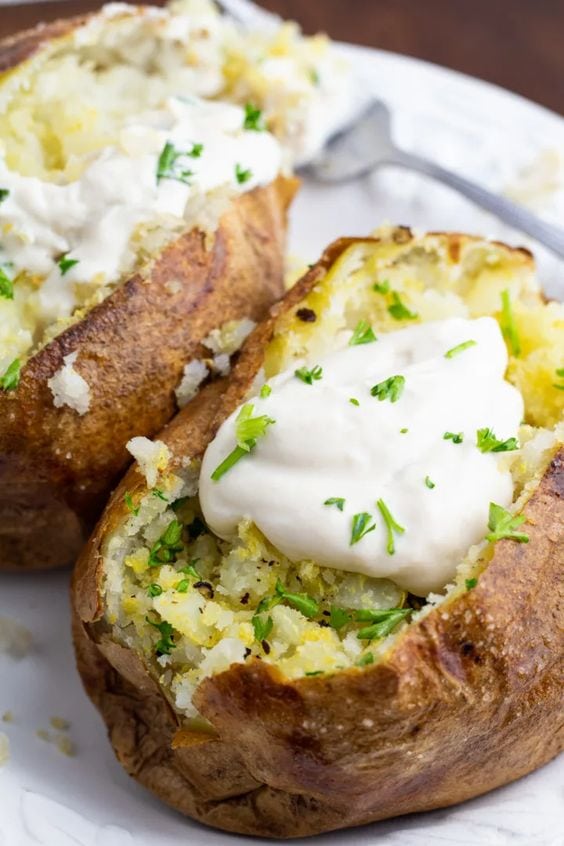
367, 143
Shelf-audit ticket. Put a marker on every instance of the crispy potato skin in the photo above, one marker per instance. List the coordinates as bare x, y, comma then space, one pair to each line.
17, 48
469, 698
56, 467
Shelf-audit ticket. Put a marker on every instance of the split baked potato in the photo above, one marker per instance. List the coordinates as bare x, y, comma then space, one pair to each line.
95, 360
268, 695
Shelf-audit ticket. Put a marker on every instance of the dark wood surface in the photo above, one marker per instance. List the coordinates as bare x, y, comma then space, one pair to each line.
516, 43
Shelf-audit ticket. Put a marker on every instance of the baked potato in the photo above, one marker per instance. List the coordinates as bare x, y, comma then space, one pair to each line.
120, 249
259, 690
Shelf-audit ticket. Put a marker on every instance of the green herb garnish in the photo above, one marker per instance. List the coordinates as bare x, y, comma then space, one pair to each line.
560, 374
367, 658
338, 617
391, 388
66, 263
471, 583
242, 175
6, 285
391, 525
196, 151
11, 378
361, 526
502, 524
460, 348
159, 494
303, 603
486, 441
4, 192
314, 75
429, 483
403, 431
262, 627
363, 334
455, 437
248, 430
182, 586
354, 401
190, 570
399, 311
381, 287
154, 590
507, 324
265, 391
134, 509
169, 166
165, 645
167, 547
309, 376
253, 118
335, 500
385, 625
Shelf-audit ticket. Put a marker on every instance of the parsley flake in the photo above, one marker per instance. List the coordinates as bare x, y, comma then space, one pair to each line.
486, 441
167, 547
465, 345
429, 483
169, 165
338, 617
154, 590
248, 430
335, 500
253, 120
363, 334
560, 374
262, 627
6, 284
391, 388
354, 401
471, 583
507, 324
391, 526
361, 526
303, 603
66, 263
165, 645
134, 509
242, 175
455, 437
399, 311
4, 193
502, 524
381, 287
309, 376
265, 391
364, 660
11, 378
159, 494
387, 622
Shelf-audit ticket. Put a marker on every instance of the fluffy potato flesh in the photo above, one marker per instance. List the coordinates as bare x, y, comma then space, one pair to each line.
192, 605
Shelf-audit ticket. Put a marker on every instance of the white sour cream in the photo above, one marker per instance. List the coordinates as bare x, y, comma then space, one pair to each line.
322, 446
93, 218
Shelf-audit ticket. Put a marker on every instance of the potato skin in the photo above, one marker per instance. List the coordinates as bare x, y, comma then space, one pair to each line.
468, 699
56, 467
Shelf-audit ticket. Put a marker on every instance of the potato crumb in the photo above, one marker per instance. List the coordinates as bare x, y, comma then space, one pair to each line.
65, 746
59, 723
152, 456
194, 374
69, 387
4, 749
229, 337
15, 639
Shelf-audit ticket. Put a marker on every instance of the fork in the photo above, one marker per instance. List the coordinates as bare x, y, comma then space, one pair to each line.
366, 144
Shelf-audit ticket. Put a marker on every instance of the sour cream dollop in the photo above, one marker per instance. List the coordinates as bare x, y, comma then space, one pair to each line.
324, 447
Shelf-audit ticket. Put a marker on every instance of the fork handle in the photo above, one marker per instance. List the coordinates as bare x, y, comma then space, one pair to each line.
503, 208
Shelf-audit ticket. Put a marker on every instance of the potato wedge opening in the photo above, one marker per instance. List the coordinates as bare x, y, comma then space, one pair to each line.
192, 604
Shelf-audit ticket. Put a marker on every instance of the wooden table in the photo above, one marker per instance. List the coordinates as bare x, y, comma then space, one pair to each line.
516, 43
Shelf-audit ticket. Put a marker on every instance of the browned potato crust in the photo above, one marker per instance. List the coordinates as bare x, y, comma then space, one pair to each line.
23, 45
56, 468
468, 699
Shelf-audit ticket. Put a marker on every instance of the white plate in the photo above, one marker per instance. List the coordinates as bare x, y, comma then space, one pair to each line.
87, 800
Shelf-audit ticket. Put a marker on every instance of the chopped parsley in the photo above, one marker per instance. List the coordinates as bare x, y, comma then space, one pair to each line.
486, 441
404, 431
429, 483
154, 590
65, 263
367, 658
248, 430
303, 603
361, 526
363, 334
6, 284
11, 378
314, 76
471, 583
265, 391
335, 500
309, 376
182, 586
242, 175
169, 165
314, 673
196, 151
190, 570
502, 524
560, 374
391, 388
386, 623
338, 617
262, 627
508, 326
399, 311
391, 526
4, 193
165, 645
159, 494
134, 509
253, 118
167, 547
381, 287
354, 401
460, 348
455, 437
